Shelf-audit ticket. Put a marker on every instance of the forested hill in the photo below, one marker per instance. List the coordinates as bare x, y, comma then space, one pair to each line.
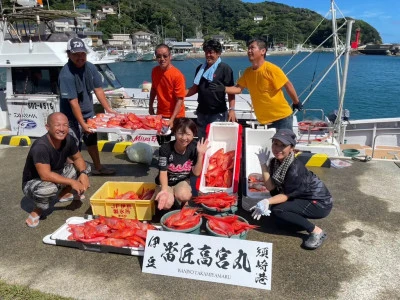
170, 18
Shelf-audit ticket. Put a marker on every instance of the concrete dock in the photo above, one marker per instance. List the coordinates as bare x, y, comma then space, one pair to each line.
359, 260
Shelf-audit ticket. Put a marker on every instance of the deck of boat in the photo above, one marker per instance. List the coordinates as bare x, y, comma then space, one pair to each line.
358, 261
380, 152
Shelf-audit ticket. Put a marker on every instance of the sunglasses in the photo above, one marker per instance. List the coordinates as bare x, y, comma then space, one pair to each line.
162, 56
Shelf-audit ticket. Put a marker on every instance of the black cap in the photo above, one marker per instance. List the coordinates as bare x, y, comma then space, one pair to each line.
76, 45
286, 136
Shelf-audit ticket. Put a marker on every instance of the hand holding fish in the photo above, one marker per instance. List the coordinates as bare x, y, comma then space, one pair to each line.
263, 156
261, 209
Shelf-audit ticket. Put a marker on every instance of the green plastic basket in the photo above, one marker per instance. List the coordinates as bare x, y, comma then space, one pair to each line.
194, 230
241, 236
350, 152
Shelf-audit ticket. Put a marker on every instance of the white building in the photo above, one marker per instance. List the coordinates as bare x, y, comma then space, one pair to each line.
258, 19
108, 10
141, 39
120, 40
197, 44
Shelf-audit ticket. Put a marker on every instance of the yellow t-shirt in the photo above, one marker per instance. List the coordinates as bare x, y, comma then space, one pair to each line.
265, 88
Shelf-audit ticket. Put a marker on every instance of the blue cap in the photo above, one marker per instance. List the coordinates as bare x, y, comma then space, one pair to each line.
76, 45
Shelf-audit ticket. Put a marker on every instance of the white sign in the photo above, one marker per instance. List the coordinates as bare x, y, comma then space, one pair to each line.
30, 117
209, 258
144, 138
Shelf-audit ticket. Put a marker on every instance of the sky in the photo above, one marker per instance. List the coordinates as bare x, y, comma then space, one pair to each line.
383, 15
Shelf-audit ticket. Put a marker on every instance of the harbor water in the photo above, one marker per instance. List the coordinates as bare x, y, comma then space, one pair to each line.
373, 84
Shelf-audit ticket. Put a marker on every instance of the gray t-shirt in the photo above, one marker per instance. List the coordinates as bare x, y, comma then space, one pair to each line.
78, 83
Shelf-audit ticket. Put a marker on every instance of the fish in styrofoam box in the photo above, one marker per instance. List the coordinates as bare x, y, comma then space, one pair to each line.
226, 137
256, 140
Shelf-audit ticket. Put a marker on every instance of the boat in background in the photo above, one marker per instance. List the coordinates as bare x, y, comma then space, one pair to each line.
375, 49
146, 56
376, 138
179, 56
131, 57
33, 62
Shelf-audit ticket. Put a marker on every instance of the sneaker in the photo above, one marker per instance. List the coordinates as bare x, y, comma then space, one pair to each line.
315, 240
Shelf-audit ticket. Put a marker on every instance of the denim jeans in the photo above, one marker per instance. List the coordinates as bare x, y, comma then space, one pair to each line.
204, 119
285, 123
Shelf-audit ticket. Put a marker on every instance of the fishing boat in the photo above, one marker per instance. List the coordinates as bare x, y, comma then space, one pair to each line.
24, 107
32, 56
377, 138
179, 56
375, 49
146, 56
369, 138
130, 57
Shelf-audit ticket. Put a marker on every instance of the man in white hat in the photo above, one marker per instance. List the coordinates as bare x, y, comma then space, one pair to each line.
77, 80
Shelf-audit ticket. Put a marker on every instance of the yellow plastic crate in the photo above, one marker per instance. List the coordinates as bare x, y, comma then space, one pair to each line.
126, 209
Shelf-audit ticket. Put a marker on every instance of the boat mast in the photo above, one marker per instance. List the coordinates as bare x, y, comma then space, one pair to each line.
338, 122
335, 47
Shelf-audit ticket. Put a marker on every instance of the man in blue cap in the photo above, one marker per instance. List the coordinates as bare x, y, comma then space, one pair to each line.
77, 80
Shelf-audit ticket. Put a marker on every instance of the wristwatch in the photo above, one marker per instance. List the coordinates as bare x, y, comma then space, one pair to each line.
84, 172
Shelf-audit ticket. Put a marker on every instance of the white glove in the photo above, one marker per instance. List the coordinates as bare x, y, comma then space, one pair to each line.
261, 209
165, 130
263, 156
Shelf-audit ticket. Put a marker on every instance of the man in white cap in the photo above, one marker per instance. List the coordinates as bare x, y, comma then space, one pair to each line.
77, 80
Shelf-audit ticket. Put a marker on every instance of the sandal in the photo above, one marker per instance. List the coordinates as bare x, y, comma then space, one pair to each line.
103, 171
34, 221
70, 197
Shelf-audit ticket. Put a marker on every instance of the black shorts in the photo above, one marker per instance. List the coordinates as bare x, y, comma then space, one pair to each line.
75, 130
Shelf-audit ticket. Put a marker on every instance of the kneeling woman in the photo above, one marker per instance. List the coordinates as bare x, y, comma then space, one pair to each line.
297, 193
177, 161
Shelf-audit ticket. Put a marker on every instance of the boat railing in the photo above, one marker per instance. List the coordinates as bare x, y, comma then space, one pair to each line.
323, 135
314, 109
374, 142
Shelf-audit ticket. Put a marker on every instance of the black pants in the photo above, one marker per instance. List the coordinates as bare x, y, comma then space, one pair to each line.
296, 212
163, 139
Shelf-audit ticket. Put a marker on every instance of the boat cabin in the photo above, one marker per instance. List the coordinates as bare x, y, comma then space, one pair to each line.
31, 58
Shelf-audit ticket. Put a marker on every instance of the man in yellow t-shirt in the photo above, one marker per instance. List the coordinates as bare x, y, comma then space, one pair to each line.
265, 81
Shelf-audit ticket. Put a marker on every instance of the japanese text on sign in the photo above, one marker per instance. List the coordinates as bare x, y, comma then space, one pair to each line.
209, 258
121, 210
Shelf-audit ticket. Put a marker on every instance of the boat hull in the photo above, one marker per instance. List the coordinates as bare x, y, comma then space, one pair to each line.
377, 49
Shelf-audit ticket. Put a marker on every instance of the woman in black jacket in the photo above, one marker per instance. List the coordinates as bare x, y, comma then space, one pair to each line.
297, 193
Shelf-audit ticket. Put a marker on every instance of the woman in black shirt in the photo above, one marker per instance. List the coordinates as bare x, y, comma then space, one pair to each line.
297, 193
177, 161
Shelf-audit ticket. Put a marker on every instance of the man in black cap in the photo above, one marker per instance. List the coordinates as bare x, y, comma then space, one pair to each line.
77, 80
297, 193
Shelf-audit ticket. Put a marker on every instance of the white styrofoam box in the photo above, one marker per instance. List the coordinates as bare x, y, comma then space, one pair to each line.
256, 139
224, 135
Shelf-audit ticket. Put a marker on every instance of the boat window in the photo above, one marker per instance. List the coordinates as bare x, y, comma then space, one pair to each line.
110, 82
35, 80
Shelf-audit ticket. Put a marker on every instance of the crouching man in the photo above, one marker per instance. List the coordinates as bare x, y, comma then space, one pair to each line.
47, 173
